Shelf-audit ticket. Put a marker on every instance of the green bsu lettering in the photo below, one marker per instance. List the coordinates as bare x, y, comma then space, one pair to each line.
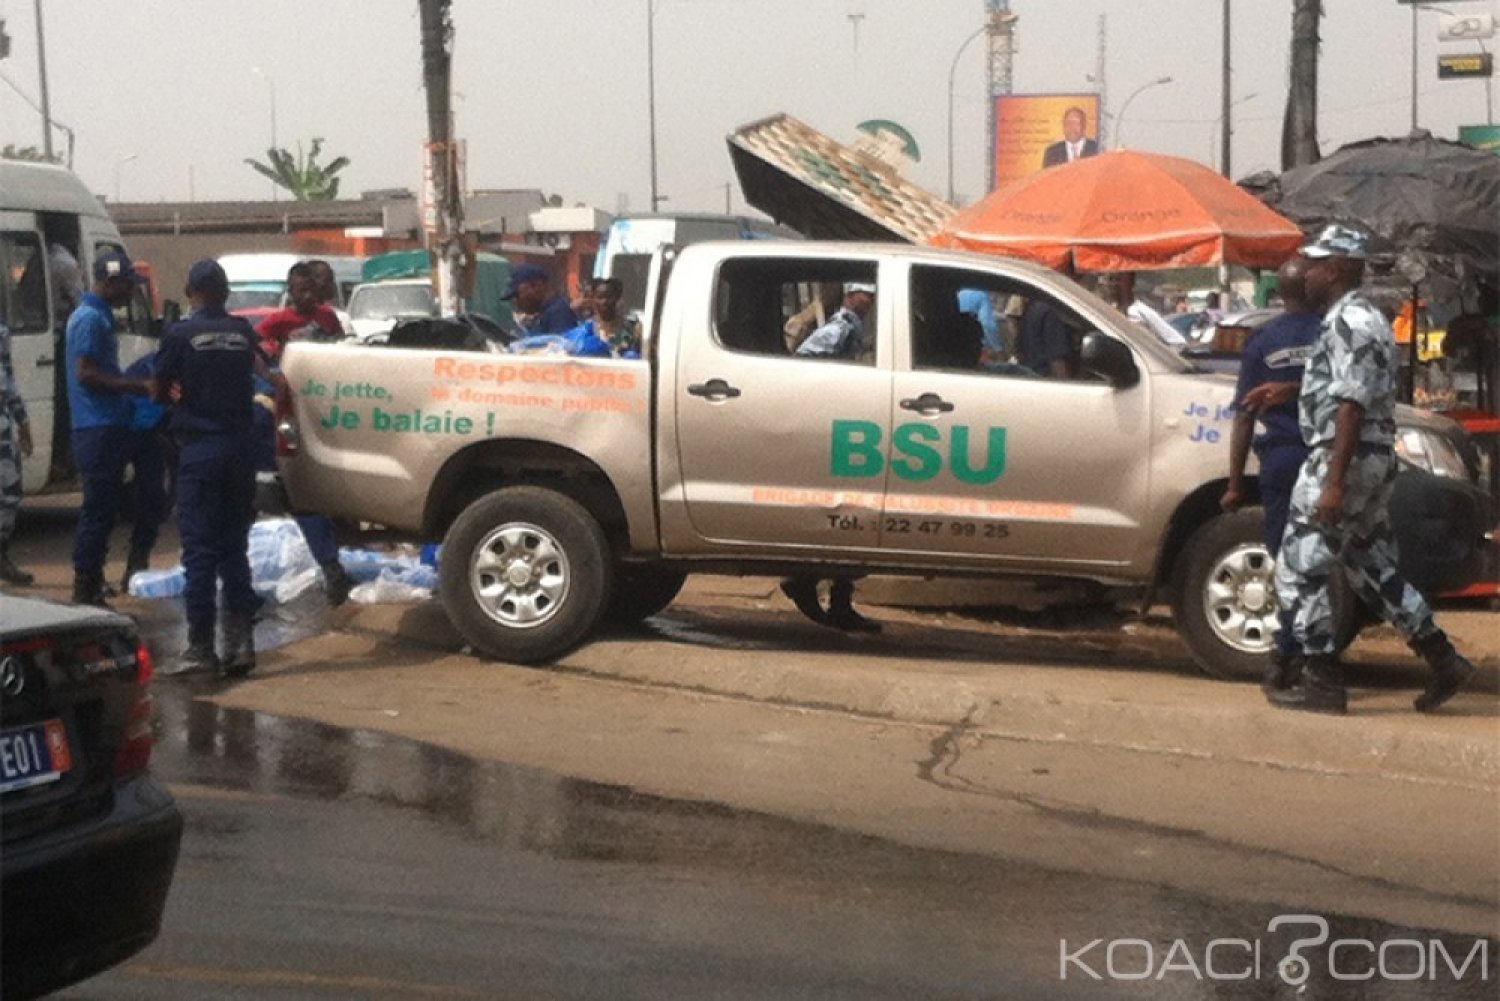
856, 452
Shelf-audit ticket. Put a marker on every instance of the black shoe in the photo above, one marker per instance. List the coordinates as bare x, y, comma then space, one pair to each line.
851, 621
1284, 671
239, 645
804, 594
336, 583
198, 658
88, 589
12, 574
1321, 689
1450, 671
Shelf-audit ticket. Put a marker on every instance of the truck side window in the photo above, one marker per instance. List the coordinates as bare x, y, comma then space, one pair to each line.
23, 283
796, 308
980, 322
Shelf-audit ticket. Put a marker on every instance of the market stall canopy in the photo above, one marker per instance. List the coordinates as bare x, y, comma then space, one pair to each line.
1437, 203
1125, 211
828, 191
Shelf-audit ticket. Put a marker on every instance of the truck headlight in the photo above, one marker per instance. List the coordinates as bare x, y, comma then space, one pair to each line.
1430, 451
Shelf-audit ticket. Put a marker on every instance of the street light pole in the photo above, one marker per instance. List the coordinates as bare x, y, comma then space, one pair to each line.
271, 84
41, 64
1120, 118
1214, 137
952, 73
120, 163
651, 94
1414, 67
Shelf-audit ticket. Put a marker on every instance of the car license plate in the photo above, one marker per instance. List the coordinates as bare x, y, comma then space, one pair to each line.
33, 755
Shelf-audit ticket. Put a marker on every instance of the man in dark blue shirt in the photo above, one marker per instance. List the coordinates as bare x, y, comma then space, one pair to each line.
1044, 343
99, 401
1276, 353
206, 367
535, 310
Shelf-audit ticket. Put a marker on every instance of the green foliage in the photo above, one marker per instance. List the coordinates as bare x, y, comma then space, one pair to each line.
304, 177
28, 153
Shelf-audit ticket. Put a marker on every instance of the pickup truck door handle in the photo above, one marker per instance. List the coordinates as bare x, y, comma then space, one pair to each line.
714, 389
44, 362
927, 403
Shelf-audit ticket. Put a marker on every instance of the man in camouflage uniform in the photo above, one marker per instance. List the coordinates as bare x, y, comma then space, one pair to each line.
1339, 511
15, 444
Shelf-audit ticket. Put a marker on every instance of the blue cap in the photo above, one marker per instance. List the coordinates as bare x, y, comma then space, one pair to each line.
1339, 240
523, 273
115, 264
208, 276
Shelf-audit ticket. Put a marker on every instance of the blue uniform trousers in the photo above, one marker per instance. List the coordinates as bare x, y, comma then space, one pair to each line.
99, 453
215, 508
148, 461
317, 532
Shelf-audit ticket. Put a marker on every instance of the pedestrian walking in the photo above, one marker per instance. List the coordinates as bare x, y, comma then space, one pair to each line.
15, 445
206, 367
1276, 353
99, 399
1339, 509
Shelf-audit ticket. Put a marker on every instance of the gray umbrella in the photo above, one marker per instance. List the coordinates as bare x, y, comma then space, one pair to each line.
1436, 203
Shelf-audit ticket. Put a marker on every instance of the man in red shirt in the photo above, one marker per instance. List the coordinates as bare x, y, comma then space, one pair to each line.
307, 318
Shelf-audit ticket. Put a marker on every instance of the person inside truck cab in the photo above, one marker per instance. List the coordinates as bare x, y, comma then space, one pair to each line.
843, 336
1044, 343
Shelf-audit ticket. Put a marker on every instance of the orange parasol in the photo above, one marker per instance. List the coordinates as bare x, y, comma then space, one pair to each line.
1125, 211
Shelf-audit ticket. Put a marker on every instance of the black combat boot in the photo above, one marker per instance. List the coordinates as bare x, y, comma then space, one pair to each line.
1450, 670
336, 583
1284, 671
1321, 689
10, 573
133, 565
239, 644
804, 594
199, 657
88, 589
841, 613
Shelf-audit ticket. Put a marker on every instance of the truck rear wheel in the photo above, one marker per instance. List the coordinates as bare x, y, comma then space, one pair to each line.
641, 592
526, 574
1225, 599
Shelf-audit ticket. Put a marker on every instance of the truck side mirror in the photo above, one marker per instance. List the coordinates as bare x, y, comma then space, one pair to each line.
1108, 358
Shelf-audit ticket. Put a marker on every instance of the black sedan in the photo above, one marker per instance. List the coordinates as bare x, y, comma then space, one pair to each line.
88, 840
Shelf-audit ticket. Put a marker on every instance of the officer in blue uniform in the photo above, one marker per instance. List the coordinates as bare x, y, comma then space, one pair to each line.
99, 399
207, 366
1277, 353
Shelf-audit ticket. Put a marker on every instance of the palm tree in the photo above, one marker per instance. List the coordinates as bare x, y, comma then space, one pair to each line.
304, 177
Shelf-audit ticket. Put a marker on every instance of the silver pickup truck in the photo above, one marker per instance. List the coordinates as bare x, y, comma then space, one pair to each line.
567, 490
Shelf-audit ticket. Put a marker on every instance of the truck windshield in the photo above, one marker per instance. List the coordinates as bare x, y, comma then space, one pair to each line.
255, 295
387, 302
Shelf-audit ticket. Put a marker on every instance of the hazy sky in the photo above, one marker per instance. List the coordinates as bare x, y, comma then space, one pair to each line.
168, 97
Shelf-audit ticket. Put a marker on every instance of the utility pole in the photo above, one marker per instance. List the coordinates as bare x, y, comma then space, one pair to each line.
1224, 100
651, 96
1098, 79
1002, 33
1299, 126
41, 64
444, 212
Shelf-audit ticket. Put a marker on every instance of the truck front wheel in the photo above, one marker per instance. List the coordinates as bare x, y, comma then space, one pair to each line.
526, 574
1225, 599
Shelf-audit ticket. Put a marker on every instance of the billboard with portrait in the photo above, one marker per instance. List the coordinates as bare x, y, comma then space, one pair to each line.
1029, 132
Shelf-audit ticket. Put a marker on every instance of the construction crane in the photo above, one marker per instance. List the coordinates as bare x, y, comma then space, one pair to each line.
1000, 21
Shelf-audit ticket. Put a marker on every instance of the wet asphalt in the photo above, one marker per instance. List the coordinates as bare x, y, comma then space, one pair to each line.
323, 862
